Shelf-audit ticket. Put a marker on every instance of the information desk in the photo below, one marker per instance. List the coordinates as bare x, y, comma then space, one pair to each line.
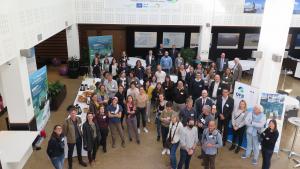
16, 148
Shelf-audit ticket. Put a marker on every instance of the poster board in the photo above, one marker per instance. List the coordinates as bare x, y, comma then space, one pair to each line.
39, 93
145, 39
194, 40
228, 40
100, 44
250, 95
173, 38
257, 6
251, 41
273, 104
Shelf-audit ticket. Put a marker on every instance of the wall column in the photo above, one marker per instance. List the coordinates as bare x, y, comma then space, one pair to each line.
272, 40
73, 41
16, 91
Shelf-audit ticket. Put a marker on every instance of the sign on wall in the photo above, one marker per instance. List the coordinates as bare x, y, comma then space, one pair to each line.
173, 38
100, 44
142, 4
273, 105
39, 92
145, 39
251, 40
194, 40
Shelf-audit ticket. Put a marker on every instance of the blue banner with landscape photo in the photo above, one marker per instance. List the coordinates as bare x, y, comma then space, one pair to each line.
257, 6
39, 92
100, 44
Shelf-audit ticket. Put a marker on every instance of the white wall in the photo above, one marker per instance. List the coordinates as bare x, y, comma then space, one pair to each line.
22, 20
188, 12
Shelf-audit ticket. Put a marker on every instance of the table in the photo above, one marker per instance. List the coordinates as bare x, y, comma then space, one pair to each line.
14, 154
295, 121
88, 81
131, 61
291, 103
246, 64
297, 71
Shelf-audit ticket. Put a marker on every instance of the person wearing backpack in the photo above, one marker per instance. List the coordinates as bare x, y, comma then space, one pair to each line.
211, 141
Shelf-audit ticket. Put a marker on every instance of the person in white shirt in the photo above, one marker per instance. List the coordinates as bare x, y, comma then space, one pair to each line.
174, 134
160, 74
133, 91
238, 125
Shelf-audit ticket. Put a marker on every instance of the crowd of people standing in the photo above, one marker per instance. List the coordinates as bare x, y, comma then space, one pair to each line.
195, 110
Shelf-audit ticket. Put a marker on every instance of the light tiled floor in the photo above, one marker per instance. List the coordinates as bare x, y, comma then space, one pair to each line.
148, 154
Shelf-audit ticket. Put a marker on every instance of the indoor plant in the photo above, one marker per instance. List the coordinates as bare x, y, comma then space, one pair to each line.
188, 55
73, 67
57, 93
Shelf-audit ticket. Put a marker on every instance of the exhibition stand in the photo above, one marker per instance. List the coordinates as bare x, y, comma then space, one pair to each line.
13, 154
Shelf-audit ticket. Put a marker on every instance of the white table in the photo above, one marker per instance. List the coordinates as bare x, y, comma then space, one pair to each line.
297, 71
88, 81
246, 64
291, 103
131, 61
16, 148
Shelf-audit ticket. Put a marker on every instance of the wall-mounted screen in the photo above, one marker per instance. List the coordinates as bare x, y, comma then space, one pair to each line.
173, 38
228, 40
145, 39
194, 40
297, 42
251, 40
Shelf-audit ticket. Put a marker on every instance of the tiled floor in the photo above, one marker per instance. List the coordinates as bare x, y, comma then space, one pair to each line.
148, 154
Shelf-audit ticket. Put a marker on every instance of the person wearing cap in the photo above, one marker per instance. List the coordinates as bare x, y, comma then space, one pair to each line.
72, 131
115, 114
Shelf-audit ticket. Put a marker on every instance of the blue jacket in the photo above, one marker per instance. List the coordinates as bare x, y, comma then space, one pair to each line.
213, 138
166, 62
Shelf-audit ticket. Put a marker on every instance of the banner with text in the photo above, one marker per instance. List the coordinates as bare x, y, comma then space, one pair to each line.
142, 4
273, 104
100, 44
39, 92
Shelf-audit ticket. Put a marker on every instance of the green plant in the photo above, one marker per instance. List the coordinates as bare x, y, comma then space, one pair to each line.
188, 55
54, 88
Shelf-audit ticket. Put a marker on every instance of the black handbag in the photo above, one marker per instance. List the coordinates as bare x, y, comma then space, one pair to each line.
170, 138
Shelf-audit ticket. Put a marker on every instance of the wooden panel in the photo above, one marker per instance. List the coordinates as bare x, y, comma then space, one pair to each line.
55, 46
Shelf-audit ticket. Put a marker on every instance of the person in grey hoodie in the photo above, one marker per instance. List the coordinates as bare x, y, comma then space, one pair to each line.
111, 86
211, 141
188, 142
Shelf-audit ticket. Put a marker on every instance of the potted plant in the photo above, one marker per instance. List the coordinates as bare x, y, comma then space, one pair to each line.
188, 55
73, 67
57, 93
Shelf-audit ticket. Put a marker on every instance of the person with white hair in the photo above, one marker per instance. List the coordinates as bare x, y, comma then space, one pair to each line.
255, 122
237, 70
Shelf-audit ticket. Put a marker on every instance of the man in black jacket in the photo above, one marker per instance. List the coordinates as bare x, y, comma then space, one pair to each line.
201, 101
190, 76
222, 64
150, 61
188, 112
196, 87
215, 88
180, 95
225, 105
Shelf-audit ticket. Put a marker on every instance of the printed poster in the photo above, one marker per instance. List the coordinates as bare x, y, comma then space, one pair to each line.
100, 44
173, 38
39, 92
145, 39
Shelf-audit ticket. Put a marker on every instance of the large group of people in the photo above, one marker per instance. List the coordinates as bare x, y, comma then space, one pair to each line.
195, 110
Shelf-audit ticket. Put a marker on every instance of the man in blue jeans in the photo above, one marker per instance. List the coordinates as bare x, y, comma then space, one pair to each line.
188, 143
166, 63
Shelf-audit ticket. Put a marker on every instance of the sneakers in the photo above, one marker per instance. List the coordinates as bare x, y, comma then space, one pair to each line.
164, 151
254, 162
244, 156
139, 131
146, 130
168, 151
